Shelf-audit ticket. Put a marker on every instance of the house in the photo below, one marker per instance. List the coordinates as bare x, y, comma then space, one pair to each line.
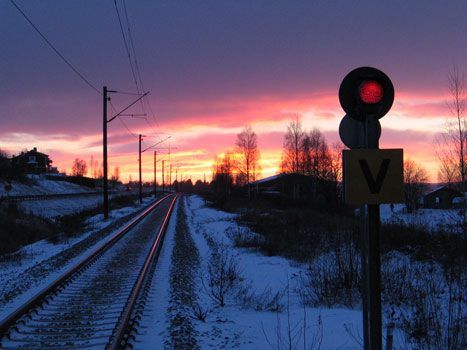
441, 198
297, 188
32, 162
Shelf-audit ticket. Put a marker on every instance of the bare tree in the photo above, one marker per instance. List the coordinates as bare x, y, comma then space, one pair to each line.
453, 154
293, 145
248, 155
317, 155
415, 178
79, 168
116, 174
91, 167
222, 178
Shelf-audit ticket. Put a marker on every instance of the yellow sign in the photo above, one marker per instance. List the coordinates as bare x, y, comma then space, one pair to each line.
373, 176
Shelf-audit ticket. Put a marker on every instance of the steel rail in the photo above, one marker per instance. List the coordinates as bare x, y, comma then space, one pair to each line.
118, 339
7, 323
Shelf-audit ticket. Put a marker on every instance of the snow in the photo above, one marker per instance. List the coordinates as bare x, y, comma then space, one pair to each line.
40, 185
52, 208
243, 327
270, 178
431, 219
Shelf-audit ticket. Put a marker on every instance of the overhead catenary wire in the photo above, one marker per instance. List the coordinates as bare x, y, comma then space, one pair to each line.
127, 128
122, 121
130, 51
131, 45
78, 73
75, 70
126, 47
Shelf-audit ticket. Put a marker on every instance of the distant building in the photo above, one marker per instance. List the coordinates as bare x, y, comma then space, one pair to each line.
441, 198
32, 162
298, 188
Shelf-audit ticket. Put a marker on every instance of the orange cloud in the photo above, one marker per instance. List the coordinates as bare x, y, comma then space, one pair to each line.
202, 129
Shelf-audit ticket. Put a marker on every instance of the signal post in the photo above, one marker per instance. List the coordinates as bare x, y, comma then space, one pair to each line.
371, 176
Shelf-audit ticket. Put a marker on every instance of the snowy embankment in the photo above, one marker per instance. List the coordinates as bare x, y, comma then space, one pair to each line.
31, 268
431, 219
52, 208
264, 311
39, 185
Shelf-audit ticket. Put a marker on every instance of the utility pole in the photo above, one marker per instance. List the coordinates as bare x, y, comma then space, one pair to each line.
155, 160
170, 177
104, 162
104, 143
140, 175
155, 174
163, 179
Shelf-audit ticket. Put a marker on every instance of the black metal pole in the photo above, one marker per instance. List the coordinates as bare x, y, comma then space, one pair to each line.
140, 175
155, 174
371, 261
170, 177
104, 162
365, 279
163, 178
374, 276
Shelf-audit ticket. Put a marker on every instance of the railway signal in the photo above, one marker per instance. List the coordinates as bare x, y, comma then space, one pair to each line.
366, 92
371, 176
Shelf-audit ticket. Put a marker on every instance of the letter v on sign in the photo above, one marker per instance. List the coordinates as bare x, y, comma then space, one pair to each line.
373, 176
374, 185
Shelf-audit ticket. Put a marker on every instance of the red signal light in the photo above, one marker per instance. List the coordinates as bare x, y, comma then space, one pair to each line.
371, 92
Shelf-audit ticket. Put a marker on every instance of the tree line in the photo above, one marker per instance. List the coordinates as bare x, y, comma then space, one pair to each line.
305, 154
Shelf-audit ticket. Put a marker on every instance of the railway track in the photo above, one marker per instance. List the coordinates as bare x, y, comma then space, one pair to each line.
97, 303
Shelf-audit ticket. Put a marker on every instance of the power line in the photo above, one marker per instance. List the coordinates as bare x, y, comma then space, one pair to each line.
135, 58
132, 45
121, 121
127, 128
137, 70
130, 51
126, 46
55, 50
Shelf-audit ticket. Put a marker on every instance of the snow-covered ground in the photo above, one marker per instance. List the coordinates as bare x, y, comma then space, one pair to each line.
52, 208
40, 185
19, 264
431, 219
241, 326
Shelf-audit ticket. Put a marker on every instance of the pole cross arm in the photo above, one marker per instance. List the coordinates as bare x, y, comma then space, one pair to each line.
157, 143
124, 109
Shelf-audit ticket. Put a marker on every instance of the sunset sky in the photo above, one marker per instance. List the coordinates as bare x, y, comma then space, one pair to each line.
213, 67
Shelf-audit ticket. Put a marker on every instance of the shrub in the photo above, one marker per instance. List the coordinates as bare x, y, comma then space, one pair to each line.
333, 278
18, 229
267, 300
434, 317
242, 237
222, 274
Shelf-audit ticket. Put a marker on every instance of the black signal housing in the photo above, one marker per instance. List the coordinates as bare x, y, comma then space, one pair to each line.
366, 91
